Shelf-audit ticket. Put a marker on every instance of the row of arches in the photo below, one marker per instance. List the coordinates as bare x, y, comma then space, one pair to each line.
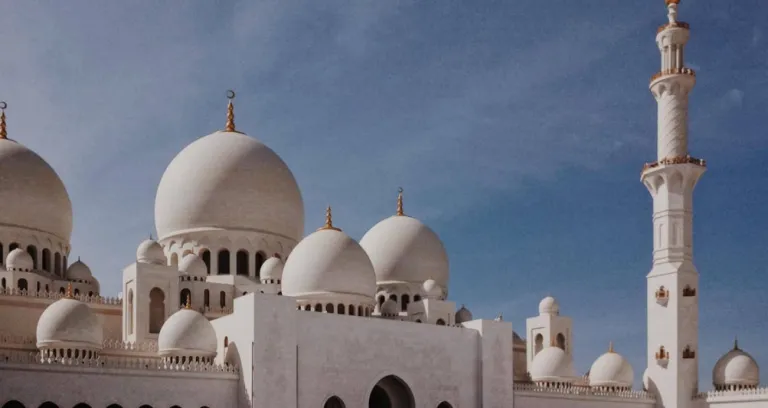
186, 296
225, 265
539, 342
23, 285
389, 392
48, 404
341, 309
57, 267
404, 300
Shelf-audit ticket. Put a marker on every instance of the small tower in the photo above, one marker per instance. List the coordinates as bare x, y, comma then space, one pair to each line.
672, 283
548, 328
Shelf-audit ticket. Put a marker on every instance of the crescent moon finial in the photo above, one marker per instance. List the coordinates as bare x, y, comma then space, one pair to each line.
230, 94
230, 126
3, 105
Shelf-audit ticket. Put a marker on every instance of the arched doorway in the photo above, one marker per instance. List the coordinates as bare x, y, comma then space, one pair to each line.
334, 402
48, 404
391, 392
444, 405
13, 404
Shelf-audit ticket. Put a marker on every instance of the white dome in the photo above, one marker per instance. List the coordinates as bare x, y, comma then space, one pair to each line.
69, 323
552, 364
19, 260
431, 289
736, 368
328, 261
272, 268
32, 194
228, 180
193, 265
79, 271
389, 308
463, 315
549, 305
187, 333
403, 249
149, 251
611, 370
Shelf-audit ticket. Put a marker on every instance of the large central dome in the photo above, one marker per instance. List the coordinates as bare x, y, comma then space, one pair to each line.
228, 180
32, 194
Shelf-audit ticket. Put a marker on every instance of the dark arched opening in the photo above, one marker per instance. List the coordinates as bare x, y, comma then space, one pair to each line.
391, 392
329, 308
223, 262
561, 341
334, 402
260, 258
13, 404
46, 259
22, 284
114, 406
206, 255
440, 322
185, 296
538, 344
32, 251
444, 405
82, 405
242, 262
156, 310
222, 299
48, 404
404, 300
207, 298
57, 265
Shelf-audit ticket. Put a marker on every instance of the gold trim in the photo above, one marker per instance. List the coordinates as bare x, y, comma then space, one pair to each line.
188, 304
668, 2
230, 127
687, 159
610, 347
328, 221
400, 202
68, 295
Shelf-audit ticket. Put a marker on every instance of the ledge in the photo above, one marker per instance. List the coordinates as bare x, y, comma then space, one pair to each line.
676, 24
673, 71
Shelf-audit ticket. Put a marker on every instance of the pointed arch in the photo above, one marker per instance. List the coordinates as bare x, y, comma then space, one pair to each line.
222, 260
13, 404
32, 251
538, 343
206, 255
391, 391
260, 259
334, 402
241, 262
156, 310
185, 295
46, 259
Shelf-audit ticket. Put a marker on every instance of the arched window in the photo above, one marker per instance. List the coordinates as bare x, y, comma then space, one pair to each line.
207, 298
57, 264
46, 259
32, 251
222, 299
2, 255
206, 255
61, 290
13, 404
334, 402
13, 246
351, 310
22, 285
226, 341
381, 300
318, 307
156, 310
260, 258
77, 292
130, 311
64, 263
416, 298
38, 286
440, 322
538, 344
340, 309
2, 283
184, 295
560, 341
223, 262
174, 259
360, 311
146, 406
48, 404
393, 297
242, 262
329, 308
444, 405
404, 300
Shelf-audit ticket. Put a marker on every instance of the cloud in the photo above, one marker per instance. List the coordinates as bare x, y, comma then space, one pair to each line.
733, 99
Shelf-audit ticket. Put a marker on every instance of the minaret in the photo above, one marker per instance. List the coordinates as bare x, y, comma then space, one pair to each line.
673, 313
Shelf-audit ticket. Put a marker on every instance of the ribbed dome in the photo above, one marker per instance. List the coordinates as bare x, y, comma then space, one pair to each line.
19, 260
403, 249
736, 369
272, 269
149, 251
611, 370
549, 305
228, 180
69, 323
193, 265
552, 365
79, 271
328, 262
463, 315
32, 194
187, 333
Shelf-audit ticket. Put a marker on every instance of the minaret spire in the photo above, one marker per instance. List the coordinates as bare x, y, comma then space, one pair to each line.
400, 202
328, 221
230, 112
3, 129
673, 318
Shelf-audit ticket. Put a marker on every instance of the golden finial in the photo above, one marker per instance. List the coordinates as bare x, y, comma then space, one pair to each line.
3, 130
328, 221
400, 201
188, 304
736, 343
610, 347
230, 112
69, 291
668, 2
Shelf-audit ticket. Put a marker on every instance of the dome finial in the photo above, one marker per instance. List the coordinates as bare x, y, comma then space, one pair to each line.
400, 201
610, 347
69, 291
328, 221
150, 236
736, 343
230, 112
3, 130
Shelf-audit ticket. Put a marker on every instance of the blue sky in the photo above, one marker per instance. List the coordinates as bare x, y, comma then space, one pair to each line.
518, 130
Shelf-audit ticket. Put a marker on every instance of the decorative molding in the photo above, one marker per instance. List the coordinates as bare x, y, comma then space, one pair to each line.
673, 71
584, 391
101, 300
675, 24
675, 160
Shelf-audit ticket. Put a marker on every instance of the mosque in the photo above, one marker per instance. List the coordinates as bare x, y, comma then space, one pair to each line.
231, 306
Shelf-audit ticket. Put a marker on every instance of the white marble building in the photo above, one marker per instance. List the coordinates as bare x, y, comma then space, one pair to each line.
233, 307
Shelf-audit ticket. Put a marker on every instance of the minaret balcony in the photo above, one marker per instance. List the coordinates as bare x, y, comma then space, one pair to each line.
673, 71
675, 24
675, 160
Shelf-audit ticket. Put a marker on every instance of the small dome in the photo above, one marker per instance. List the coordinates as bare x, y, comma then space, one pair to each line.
327, 262
431, 289
239, 184
611, 370
19, 260
463, 315
187, 333
193, 265
271, 269
403, 249
389, 308
79, 271
552, 365
150, 252
69, 323
736, 369
549, 305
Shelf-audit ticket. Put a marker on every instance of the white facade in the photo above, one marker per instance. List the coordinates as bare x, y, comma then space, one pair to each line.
232, 307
